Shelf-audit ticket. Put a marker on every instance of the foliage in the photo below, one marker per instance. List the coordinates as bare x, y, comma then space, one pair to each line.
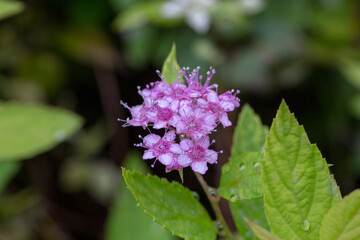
60, 53
298, 188
170, 65
49, 126
172, 205
9, 8
121, 227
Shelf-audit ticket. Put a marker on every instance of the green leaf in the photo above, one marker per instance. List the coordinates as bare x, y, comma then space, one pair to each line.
172, 205
298, 188
248, 209
250, 134
260, 232
126, 219
170, 65
27, 130
140, 14
241, 177
342, 222
9, 8
7, 172
351, 71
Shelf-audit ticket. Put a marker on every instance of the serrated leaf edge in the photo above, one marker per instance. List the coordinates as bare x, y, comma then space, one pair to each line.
142, 207
292, 115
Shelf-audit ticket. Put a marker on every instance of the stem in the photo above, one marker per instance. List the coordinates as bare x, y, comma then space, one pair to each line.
214, 199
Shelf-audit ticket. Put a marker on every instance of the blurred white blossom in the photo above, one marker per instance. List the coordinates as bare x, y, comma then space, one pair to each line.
252, 6
195, 12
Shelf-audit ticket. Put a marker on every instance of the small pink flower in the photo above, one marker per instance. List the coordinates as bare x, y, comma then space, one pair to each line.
191, 109
163, 149
229, 101
216, 105
196, 154
178, 91
138, 114
195, 123
162, 113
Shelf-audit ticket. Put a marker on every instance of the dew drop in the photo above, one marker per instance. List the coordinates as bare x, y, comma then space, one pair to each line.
242, 167
234, 198
60, 135
256, 165
305, 225
212, 192
218, 225
195, 195
226, 168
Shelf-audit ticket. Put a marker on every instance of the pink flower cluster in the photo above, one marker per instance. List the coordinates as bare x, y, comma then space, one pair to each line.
188, 112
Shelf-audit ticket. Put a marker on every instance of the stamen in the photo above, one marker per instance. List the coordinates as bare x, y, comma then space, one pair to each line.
160, 75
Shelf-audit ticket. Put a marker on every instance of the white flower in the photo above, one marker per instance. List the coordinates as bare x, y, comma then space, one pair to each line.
252, 6
195, 12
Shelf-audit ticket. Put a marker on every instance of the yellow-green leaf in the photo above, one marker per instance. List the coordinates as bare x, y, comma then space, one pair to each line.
260, 232
7, 172
171, 66
9, 8
172, 205
29, 129
126, 219
241, 178
298, 188
342, 222
252, 209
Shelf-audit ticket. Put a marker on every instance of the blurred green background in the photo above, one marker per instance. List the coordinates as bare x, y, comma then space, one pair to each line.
86, 55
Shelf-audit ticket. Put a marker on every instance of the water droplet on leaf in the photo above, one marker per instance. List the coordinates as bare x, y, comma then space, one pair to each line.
212, 192
256, 165
218, 225
195, 195
305, 225
242, 167
60, 135
234, 198
226, 168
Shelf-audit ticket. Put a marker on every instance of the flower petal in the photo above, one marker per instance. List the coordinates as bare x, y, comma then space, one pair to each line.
186, 144
166, 158
148, 154
169, 136
203, 142
184, 160
151, 139
223, 118
200, 167
212, 97
175, 148
162, 103
159, 124
227, 106
211, 156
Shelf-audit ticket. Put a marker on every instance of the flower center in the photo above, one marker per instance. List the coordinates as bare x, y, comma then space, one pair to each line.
162, 146
197, 153
164, 114
214, 108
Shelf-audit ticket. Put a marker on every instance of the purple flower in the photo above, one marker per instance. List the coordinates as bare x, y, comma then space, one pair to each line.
163, 149
219, 105
191, 109
163, 112
139, 116
196, 154
194, 122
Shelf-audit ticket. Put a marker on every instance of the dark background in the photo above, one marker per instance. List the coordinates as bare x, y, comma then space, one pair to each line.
86, 55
